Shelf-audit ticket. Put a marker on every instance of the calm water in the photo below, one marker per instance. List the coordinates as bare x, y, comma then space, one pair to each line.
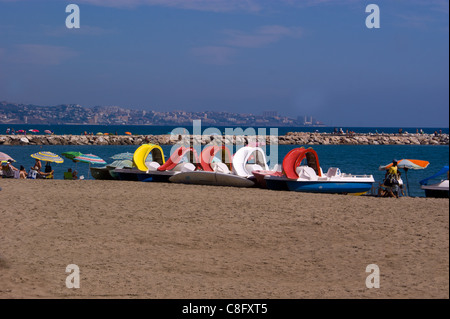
355, 159
157, 130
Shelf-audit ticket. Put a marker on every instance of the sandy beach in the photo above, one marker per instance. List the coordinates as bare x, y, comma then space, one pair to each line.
166, 241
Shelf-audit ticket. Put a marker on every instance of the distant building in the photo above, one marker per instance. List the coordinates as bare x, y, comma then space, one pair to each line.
308, 121
270, 114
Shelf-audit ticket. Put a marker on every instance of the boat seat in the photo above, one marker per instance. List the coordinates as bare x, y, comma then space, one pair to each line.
307, 173
253, 167
333, 171
152, 166
184, 167
220, 168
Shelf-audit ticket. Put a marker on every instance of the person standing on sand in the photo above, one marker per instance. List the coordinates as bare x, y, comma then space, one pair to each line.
391, 179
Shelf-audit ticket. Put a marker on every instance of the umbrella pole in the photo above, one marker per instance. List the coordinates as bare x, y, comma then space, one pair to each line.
407, 183
89, 169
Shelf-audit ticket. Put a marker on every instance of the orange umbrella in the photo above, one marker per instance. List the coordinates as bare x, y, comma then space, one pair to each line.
128, 133
407, 164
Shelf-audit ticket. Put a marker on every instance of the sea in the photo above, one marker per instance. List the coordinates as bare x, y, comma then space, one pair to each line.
352, 159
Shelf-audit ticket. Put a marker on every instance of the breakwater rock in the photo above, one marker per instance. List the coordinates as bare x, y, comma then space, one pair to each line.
293, 138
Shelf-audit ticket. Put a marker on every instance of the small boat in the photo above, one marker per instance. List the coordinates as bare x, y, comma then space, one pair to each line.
141, 164
212, 179
107, 172
310, 177
161, 171
101, 173
219, 168
439, 189
118, 164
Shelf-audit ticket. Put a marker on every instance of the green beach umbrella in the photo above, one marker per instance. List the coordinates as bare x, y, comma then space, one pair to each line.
71, 155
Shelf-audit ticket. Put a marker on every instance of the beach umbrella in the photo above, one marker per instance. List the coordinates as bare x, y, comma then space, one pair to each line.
408, 164
34, 131
48, 157
48, 132
5, 157
21, 131
123, 156
121, 164
99, 133
91, 159
128, 133
71, 155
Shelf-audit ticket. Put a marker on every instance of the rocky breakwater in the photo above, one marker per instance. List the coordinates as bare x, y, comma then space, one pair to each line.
363, 139
294, 138
82, 140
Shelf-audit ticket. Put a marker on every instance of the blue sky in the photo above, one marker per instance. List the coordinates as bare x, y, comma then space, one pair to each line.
314, 57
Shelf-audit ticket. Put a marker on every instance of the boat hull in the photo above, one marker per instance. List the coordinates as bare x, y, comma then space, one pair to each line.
276, 184
113, 174
436, 193
260, 178
155, 177
439, 190
127, 174
329, 187
100, 173
212, 178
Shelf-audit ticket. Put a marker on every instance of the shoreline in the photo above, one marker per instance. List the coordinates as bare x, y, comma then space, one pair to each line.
288, 139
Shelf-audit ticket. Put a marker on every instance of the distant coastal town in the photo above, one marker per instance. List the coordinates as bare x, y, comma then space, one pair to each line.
12, 113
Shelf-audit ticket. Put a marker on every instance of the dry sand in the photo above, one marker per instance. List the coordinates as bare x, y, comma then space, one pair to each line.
165, 241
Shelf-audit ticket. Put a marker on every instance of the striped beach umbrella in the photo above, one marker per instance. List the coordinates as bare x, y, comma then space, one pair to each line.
90, 159
5, 157
48, 157
123, 156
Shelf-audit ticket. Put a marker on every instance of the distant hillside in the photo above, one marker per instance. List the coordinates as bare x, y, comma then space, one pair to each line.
12, 113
